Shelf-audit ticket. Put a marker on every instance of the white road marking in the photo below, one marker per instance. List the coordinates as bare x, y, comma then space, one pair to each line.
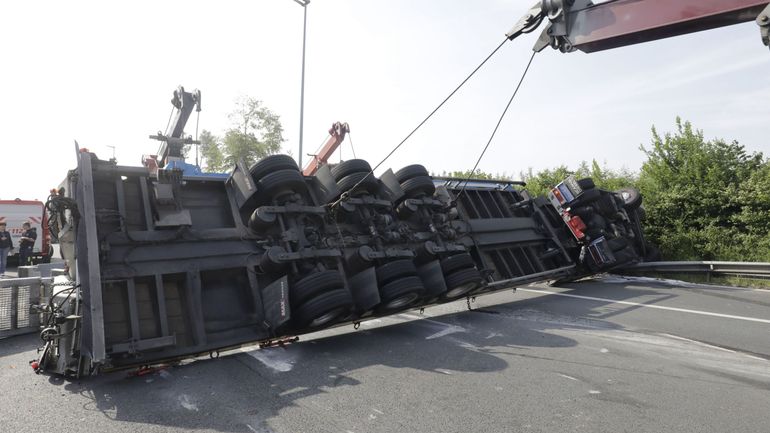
450, 329
593, 391
276, 359
658, 307
251, 428
603, 350
568, 377
700, 343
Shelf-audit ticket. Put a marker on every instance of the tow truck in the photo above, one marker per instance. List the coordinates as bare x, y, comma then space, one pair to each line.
167, 265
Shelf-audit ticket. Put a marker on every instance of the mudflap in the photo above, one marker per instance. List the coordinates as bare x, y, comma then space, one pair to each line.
363, 286
275, 298
432, 278
325, 186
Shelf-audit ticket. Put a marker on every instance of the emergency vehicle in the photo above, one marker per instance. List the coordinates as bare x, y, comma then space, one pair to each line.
14, 213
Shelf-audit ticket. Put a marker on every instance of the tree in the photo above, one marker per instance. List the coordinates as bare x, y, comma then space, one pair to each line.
541, 182
256, 133
705, 200
211, 152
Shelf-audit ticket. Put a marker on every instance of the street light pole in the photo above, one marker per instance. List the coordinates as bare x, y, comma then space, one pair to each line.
304, 4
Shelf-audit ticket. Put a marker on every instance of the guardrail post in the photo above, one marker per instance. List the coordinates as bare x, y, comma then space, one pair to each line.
14, 307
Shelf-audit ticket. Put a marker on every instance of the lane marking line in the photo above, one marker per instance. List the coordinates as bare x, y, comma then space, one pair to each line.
658, 307
699, 343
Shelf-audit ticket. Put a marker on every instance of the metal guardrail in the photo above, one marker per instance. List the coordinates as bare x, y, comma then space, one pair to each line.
745, 269
17, 295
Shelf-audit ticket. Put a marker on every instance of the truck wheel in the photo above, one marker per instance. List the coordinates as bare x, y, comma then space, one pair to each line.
586, 183
631, 197
455, 262
461, 282
410, 172
282, 181
313, 285
400, 293
323, 310
418, 186
368, 183
272, 164
395, 269
346, 168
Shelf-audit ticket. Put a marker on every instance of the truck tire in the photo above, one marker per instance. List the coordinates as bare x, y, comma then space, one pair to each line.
313, 285
395, 269
455, 262
418, 186
400, 293
410, 172
631, 197
286, 180
272, 164
346, 168
461, 282
586, 183
323, 310
368, 183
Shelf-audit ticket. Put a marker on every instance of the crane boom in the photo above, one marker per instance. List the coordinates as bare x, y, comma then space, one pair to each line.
590, 26
336, 137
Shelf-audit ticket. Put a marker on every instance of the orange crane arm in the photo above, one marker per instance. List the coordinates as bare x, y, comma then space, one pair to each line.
336, 136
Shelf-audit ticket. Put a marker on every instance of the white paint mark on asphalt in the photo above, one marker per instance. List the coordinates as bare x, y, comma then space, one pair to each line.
378, 411
593, 391
277, 359
493, 335
603, 350
657, 307
187, 403
568, 377
699, 343
449, 329
756, 357
251, 428
331, 367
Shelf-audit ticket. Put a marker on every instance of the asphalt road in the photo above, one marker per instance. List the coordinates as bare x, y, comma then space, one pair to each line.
669, 357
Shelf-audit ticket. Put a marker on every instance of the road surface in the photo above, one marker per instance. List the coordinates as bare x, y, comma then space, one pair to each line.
608, 355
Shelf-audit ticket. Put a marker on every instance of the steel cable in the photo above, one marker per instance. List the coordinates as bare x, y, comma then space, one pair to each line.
345, 194
499, 121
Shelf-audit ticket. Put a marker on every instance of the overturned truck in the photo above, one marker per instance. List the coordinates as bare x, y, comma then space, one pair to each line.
163, 266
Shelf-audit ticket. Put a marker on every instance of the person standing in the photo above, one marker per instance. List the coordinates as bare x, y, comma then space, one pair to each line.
6, 246
26, 243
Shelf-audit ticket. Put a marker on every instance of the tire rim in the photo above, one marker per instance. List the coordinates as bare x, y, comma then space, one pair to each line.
461, 290
402, 301
326, 318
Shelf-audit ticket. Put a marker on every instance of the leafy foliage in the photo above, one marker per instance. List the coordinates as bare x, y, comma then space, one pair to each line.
706, 200
541, 182
256, 132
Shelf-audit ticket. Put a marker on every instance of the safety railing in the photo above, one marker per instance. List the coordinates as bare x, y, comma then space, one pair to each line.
17, 295
742, 269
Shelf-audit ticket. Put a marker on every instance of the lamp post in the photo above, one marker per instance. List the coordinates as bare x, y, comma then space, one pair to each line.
304, 4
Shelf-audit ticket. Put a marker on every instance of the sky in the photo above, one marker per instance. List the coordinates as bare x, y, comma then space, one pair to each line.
102, 73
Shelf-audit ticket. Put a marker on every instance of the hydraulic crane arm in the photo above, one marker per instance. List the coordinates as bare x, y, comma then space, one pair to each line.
172, 144
594, 26
336, 136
